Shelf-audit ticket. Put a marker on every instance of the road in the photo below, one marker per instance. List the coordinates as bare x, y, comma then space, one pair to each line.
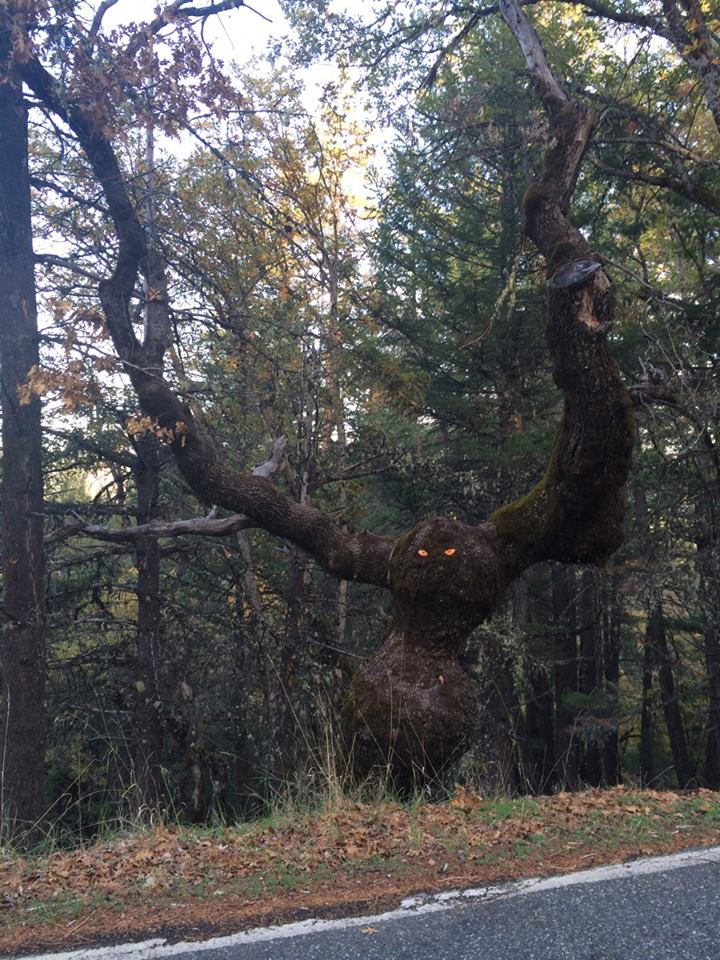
664, 908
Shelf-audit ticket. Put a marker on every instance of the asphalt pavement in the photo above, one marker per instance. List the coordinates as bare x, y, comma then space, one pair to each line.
658, 909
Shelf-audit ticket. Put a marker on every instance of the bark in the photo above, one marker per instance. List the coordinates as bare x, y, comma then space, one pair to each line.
22, 660
697, 44
539, 757
611, 679
153, 529
707, 566
566, 674
337, 410
591, 671
711, 645
670, 703
538, 741
288, 717
412, 705
148, 725
575, 513
500, 712
648, 763
589, 642
251, 674
532, 51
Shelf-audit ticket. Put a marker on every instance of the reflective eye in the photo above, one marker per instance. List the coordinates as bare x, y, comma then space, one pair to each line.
422, 553
449, 552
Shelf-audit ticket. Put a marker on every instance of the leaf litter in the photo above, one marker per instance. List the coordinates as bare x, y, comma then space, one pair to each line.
186, 883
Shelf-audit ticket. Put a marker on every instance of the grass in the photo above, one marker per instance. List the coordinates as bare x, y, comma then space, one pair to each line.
338, 847
508, 807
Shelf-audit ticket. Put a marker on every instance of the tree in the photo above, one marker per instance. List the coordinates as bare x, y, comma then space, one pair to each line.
22, 716
23, 668
412, 704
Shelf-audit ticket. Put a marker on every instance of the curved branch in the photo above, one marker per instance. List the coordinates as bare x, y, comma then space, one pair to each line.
697, 45
174, 10
598, 9
684, 188
687, 29
115, 292
574, 514
51, 260
350, 556
98, 18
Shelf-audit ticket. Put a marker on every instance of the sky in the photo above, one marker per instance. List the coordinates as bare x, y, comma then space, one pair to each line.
236, 35
240, 35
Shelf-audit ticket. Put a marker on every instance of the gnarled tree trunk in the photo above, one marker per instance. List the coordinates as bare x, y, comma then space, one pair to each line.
413, 703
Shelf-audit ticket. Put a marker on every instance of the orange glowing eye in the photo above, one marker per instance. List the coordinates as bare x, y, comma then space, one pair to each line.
422, 553
449, 552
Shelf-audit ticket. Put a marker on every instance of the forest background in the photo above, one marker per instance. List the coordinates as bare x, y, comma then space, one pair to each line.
386, 318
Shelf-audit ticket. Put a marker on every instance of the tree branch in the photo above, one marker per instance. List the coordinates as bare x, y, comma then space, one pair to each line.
643, 394
174, 10
117, 291
574, 514
51, 260
350, 556
277, 454
154, 530
98, 18
684, 188
532, 50
119, 457
599, 9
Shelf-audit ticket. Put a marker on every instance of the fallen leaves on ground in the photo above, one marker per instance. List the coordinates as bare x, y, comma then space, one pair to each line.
178, 879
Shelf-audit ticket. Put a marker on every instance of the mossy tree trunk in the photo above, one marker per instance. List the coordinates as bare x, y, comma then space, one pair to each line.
413, 704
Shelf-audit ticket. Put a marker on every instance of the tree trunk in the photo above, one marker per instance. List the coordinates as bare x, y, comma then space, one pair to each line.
501, 712
590, 674
539, 764
611, 773
537, 733
668, 694
707, 555
148, 722
285, 709
648, 763
711, 645
565, 653
251, 679
22, 705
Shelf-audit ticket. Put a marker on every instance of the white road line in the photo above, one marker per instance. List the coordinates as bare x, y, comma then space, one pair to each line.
411, 906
